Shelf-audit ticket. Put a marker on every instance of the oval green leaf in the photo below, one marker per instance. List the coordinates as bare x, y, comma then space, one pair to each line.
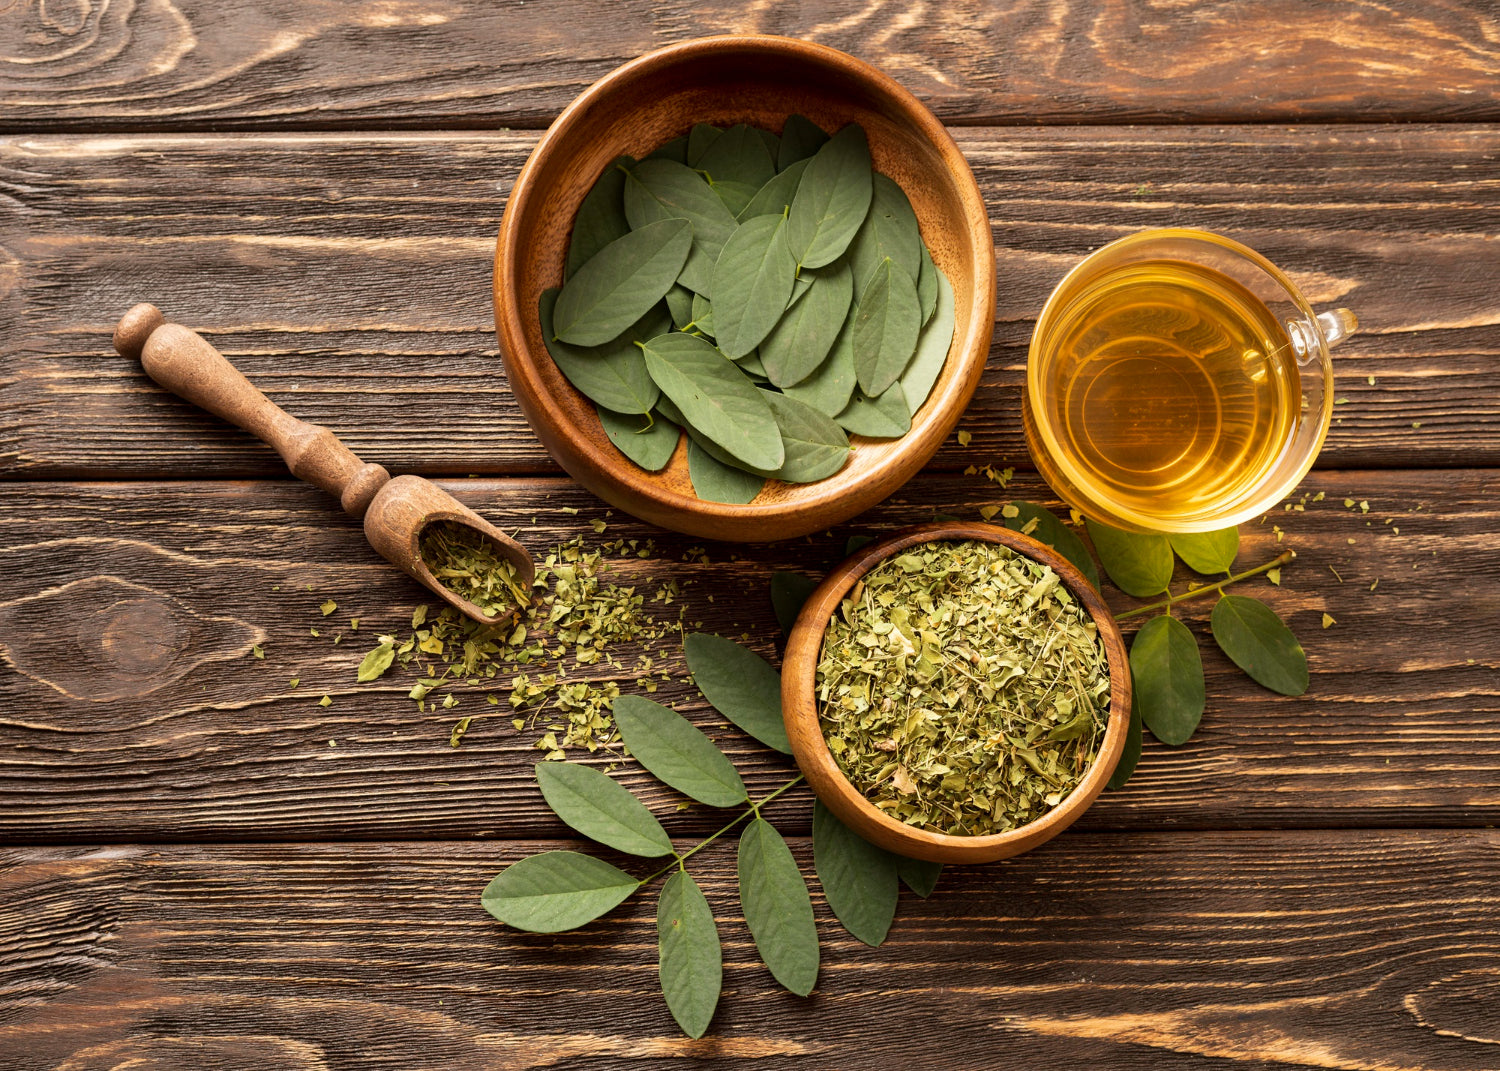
674, 150
680, 304
716, 480
648, 441
831, 200
716, 398
735, 195
699, 140
1257, 641
920, 876
1131, 756
676, 751
662, 189
775, 197
621, 283
741, 685
814, 444
800, 139
777, 908
885, 417
803, 336
690, 961
886, 325
1168, 679
933, 346
1049, 529
829, 388
752, 283
601, 216
556, 891
859, 880
703, 315
1140, 563
927, 285
613, 375
889, 230
1208, 553
739, 155
789, 591
601, 809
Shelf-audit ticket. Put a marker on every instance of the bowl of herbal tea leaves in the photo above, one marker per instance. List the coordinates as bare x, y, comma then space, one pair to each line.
744, 287
956, 692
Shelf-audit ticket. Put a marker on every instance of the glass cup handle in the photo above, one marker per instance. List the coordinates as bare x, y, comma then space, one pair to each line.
1337, 326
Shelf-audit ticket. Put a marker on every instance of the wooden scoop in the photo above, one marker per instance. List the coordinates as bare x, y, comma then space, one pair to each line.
395, 511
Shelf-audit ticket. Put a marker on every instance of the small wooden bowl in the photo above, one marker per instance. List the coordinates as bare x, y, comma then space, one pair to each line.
726, 80
800, 707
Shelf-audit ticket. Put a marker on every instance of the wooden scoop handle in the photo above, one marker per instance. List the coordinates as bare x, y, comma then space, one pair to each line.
184, 363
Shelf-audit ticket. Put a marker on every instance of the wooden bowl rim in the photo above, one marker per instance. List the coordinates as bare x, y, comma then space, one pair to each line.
812, 502
817, 763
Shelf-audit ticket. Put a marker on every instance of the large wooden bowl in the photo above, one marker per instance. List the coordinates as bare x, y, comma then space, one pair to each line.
726, 80
800, 708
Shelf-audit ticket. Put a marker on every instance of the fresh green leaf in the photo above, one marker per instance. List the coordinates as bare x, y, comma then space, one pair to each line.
690, 961
1168, 679
752, 282
1049, 529
716, 398
735, 195
700, 139
1208, 552
889, 231
777, 908
886, 323
738, 155
374, 664
920, 876
859, 879
676, 752
621, 283
803, 336
601, 215
680, 304
674, 150
751, 365
601, 809
613, 375
885, 417
773, 141
740, 684
831, 200
1132, 753
556, 891
775, 197
800, 139
789, 591
716, 480
933, 345
649, 442
1139, 563
829, 389
856, 542
814, 444
661, 189
703, 315
1257, 641
927, 285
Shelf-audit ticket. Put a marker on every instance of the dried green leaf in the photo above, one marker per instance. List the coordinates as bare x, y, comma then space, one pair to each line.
621, 283
1049, 529
920, 876
601, 809
814, 444
859, 880
831, 199
800, 139
752, 283
649, 442
829, 388
1257, 641
716, 398
775, 197
715, 480
601, 215
1139, 563
690, 961
738, 155
889, 231
556, 891
374, 664
777, 908
789, 591
659, 190
1208, 552
933, 345
1168, 679
612, 375
887, 321
885, 417
803, 336
676, 752
740, 684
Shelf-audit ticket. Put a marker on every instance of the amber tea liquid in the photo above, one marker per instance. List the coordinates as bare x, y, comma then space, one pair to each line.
1171, 392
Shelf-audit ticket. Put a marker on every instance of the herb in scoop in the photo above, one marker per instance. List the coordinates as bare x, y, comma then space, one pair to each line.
467, 564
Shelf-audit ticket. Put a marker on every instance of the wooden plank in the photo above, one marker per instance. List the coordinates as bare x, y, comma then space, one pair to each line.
349, 277
190, 63
1371, 950
132, 707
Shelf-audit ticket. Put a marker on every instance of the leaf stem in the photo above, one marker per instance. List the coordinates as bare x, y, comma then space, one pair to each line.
1281, 559
678, 860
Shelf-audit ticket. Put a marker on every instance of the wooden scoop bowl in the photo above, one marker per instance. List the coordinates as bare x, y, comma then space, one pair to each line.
395, 511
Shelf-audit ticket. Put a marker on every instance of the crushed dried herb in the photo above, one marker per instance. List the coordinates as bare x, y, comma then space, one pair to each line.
962, 689
466, 562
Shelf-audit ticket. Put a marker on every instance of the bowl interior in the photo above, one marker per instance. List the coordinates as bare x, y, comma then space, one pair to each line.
800, 707
759, 80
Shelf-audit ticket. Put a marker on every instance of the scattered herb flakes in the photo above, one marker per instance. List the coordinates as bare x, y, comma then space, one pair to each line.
328, 607
326, 701
294, 682
965, 438
962, 689
258, 651
1328, 620
988, 512
1274, 576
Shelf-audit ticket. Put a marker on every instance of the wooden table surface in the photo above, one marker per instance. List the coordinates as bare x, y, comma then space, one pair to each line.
202, 868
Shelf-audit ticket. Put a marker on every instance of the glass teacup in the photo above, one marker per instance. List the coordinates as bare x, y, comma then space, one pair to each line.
1178, 382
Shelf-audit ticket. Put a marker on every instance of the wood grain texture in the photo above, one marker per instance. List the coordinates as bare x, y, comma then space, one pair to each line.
131, 706
349, 277
319, 63
1373, 951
